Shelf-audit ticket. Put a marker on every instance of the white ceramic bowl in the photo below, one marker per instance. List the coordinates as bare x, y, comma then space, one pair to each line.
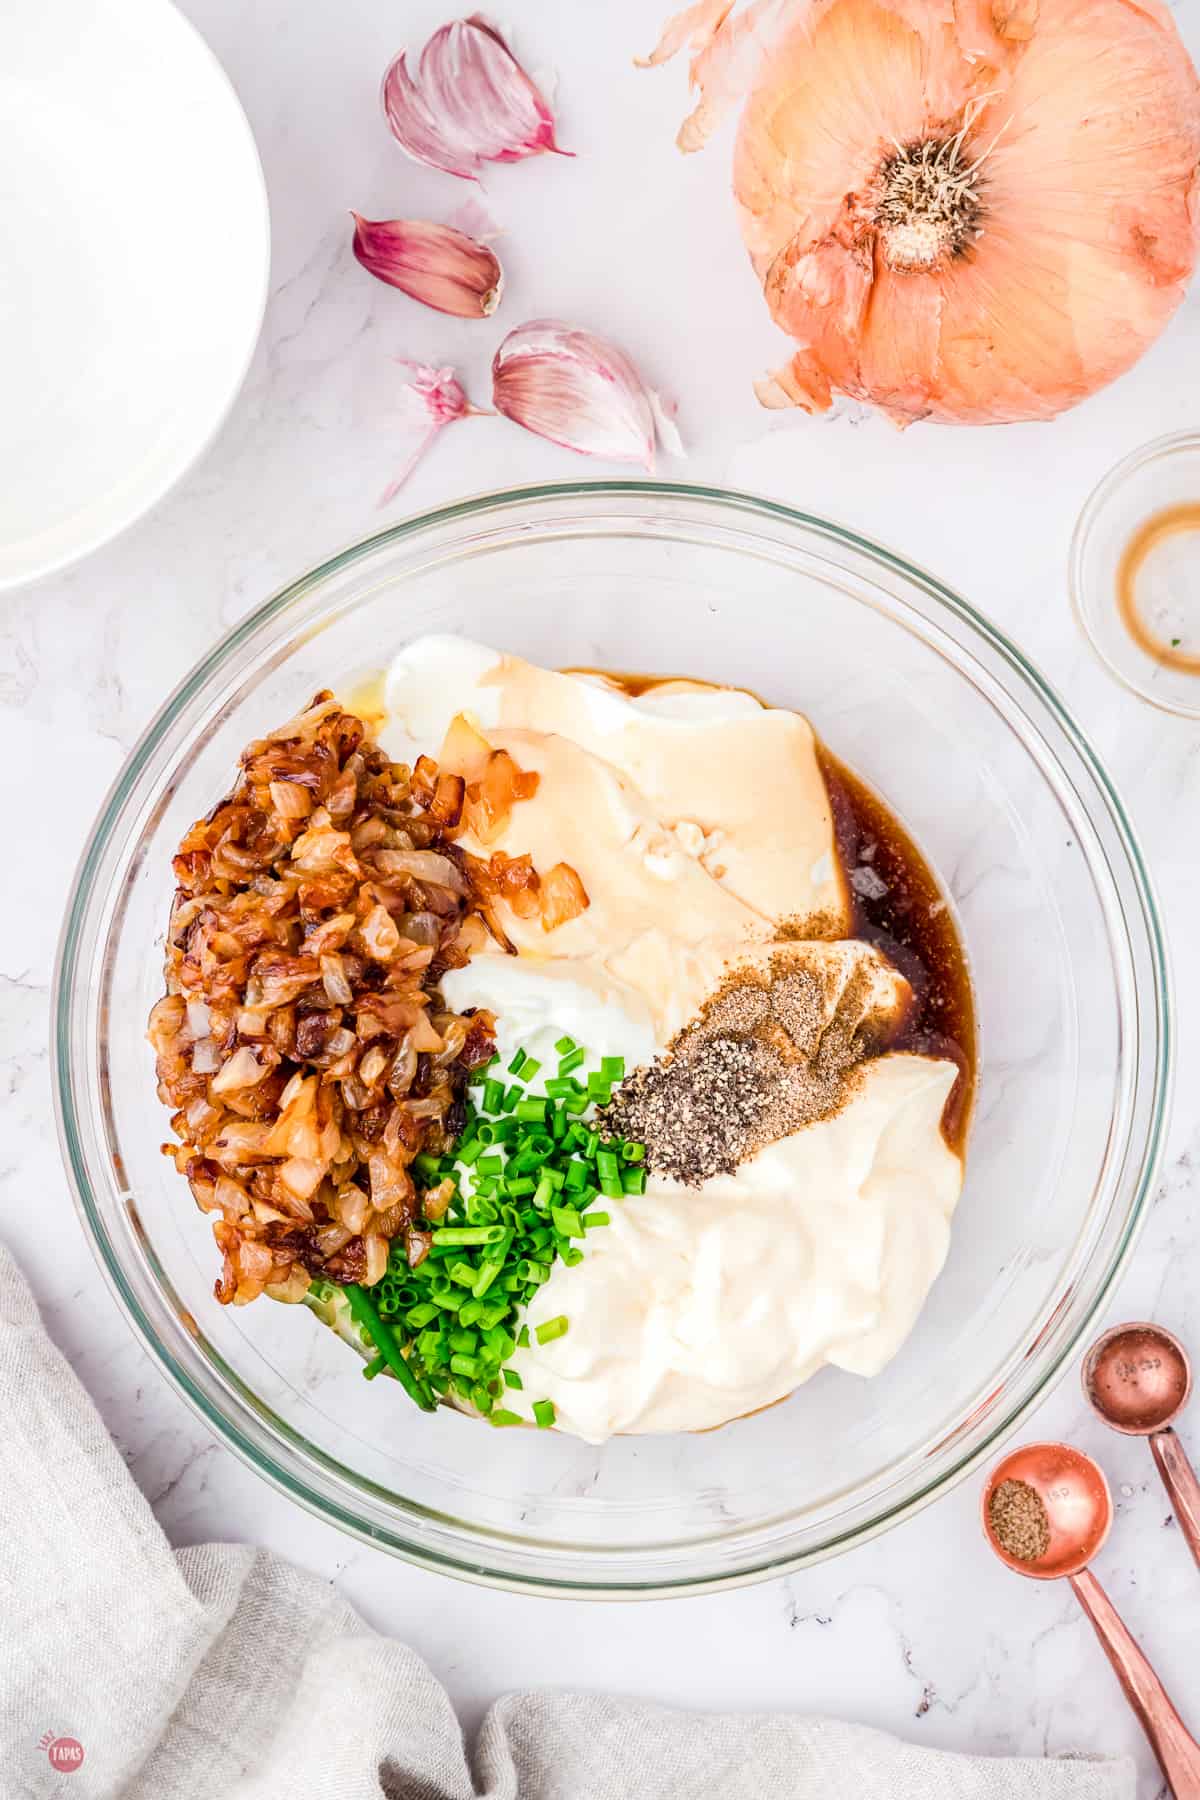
927, 701
134, 271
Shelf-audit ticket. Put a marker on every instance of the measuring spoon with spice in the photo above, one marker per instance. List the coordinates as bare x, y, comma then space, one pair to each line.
1138, 1378
1046, 1512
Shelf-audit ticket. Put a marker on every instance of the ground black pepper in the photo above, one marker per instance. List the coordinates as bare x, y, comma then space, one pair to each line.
772, 1051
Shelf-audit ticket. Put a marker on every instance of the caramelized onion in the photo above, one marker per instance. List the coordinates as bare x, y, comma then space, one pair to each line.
243, 1070
199, 1018
422, 865
333, 978
563, 896
297, 980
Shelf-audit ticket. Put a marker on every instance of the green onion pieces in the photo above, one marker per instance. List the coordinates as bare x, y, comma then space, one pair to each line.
527, 1172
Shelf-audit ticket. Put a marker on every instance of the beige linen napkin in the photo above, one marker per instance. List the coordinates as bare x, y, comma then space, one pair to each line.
223, 1673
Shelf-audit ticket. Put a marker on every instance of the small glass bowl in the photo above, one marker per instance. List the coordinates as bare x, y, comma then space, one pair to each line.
938, 711
1152, 481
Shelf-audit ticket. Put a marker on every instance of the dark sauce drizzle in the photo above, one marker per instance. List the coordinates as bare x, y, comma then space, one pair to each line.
903, 911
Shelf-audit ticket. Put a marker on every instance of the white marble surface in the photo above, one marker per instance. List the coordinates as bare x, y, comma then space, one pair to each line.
920, 1632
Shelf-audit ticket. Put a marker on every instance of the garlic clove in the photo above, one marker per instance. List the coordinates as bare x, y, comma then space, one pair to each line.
576, 389
469, 103
434, 398
432, 263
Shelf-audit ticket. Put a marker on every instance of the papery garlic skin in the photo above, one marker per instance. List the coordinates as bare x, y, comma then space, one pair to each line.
469, 103
1038, 259
435, 397
435, 264
576, 389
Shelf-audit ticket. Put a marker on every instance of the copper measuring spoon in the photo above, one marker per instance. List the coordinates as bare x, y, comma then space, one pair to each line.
1078, 1507
1138, 1378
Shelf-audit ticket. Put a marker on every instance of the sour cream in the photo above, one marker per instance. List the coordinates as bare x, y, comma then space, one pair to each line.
536, 1006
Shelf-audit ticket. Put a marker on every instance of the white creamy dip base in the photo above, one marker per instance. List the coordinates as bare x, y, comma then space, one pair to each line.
695, 1306
698, 822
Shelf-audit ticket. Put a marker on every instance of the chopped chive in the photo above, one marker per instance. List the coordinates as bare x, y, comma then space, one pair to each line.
513, 1380
543, 1412
375, 1367
363, 1310
544, 1192
500, 1415
523, 1180
468, 1234
485, 1278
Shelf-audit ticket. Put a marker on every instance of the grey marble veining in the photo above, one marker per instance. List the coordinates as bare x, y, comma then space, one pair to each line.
919, 1631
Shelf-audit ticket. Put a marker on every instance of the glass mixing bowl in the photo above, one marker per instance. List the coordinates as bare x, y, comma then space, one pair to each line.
928, 702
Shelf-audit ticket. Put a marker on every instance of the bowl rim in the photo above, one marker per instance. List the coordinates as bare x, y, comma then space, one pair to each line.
1174, 443
770, 1562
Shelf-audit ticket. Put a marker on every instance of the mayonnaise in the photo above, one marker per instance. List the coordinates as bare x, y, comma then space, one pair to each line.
693, 1307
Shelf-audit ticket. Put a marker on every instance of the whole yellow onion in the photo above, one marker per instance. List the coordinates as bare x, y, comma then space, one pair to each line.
963, 210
